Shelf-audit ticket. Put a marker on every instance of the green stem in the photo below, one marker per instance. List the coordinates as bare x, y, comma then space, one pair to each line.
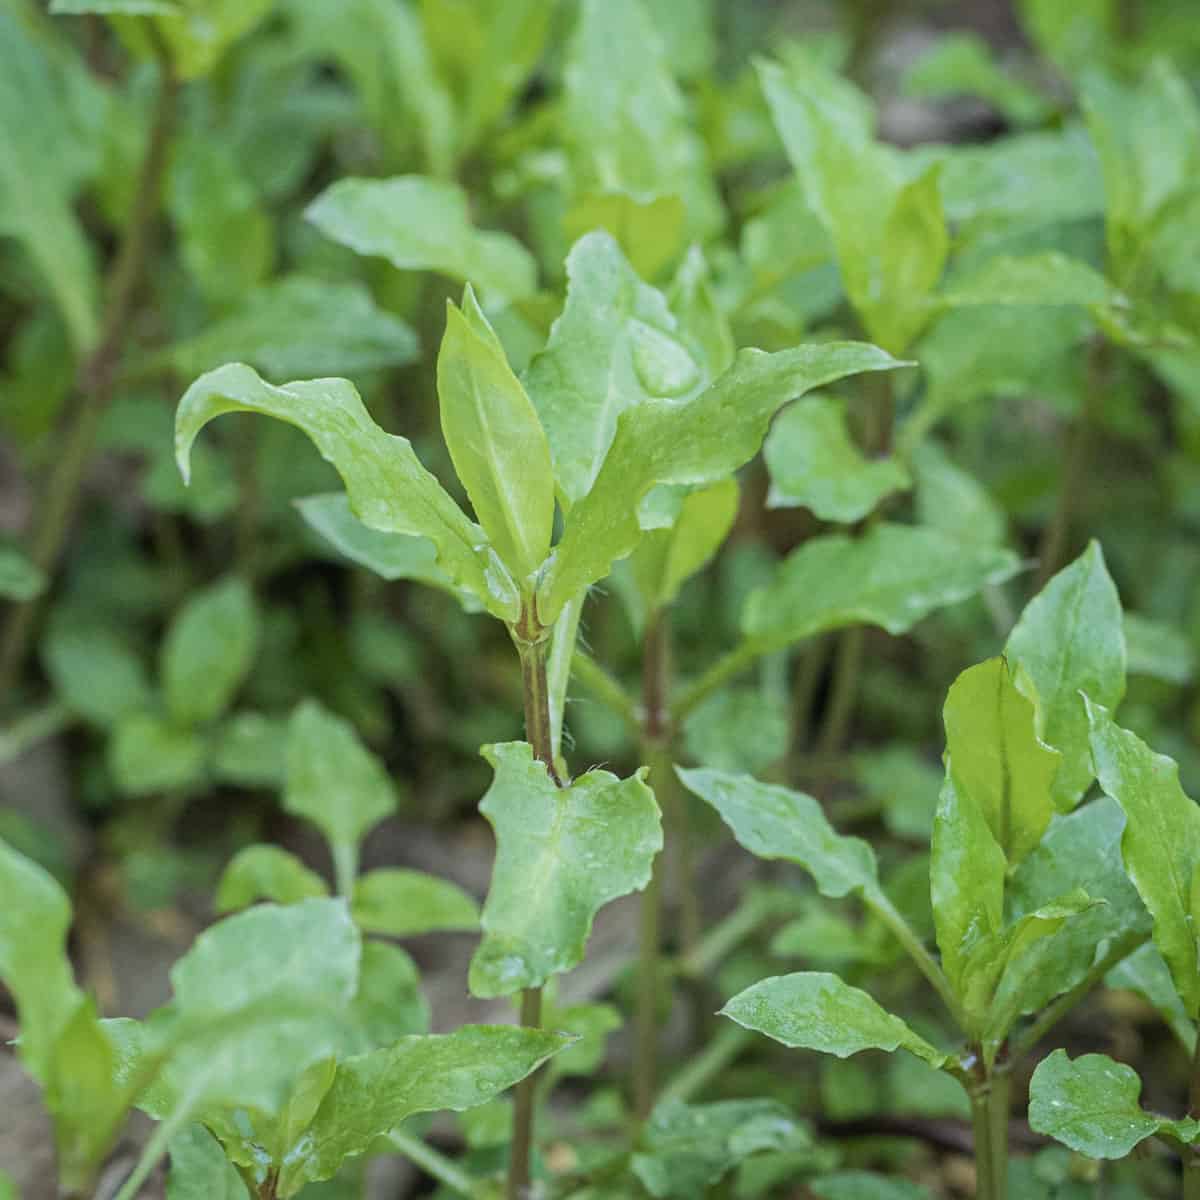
1191, 1174
721, 1051
999, 1104
734, 662
531, 642
758, 907
844, 691
883, 908
656, 736
559, 667
345, 867
435, 1164
605, 688
97, 374
156, 1147
32, 728
981, 1121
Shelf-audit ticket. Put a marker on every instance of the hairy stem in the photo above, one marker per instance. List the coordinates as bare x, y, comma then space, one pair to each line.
533, 648
97, 373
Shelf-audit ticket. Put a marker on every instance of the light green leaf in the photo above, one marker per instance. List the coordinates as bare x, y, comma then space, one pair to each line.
200, 1170
208, 651
1157, 649
1036, 279
624, 120
697, 441
94, 672
686, 1148
892, 576
996, 758
614, 345
651, 230
388, 488
37, 189
775, 822
333, 780
666, 558
703, 322
199, 32
966, 886
862, 1185
1091, 1104
738, 729
389, 1003
1145, 973
422, 224
391, 556
1069, 640
811, 1010
561, 855
373, 1093
299, 326
498, 447
265, 873
400, 903
814, 463
149, 755
248, 750
1161, 843
131, 8
20, 580
954, 502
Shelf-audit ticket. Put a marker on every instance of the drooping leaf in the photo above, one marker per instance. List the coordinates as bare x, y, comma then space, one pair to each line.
1069, 640
423, 224
208, 651
698, 441
299, 326
265, 873
1091, 1104
892, 576
666, 558
496, 442
775, 822
614, 345
996, 758
373, 1093
333, 780
814, 463
200, 1170
391, 556
400, 903
812, 1010
1160, 845
561, 855
686, 1148
388, 488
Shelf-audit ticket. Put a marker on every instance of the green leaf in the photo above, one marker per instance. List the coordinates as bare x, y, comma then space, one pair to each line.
422, 224
815, 464
1158, 649
94, 672
614, 345
666, 558
1069, 640
775, 822
1145, 973
651, 230
497, 445
697, 441
333, 780
561, 855
1161, 843
862, 1185
391, 556
200, 1170
996, 758
892, 576
1036, 279
208, 651
265, 873
388, 488
248, 750
37, 189
738, 729
703, 323
624, 120
966, 885
373, 1093
20, 580
811, 1010
400, 903
1091, 1104
686, 1148
299, 326
954, 502
199, 32
149, 755
389, 1003
130, 8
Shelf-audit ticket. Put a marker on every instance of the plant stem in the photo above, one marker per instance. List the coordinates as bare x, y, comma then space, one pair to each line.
97, 372
32, 728
1191, 1154
846, 670
435, 1164
605, 688
345, 867
732, 663
758, 907
989, 1093
656, 736
531, 643
722, 1050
